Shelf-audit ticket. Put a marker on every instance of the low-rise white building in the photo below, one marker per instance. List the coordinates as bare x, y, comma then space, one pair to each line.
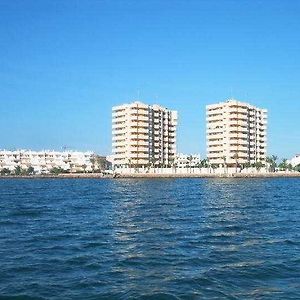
44, 161
187, 160
295, 161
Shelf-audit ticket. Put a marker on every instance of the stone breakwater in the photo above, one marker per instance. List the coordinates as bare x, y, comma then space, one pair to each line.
62, 176
147, 175
235, 175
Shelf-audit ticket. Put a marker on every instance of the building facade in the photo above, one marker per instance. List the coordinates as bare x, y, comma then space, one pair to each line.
143, 135
45, 161
187, 160
295, 161
236, 133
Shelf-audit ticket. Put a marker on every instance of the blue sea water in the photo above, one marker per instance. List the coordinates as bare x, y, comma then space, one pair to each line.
150, 239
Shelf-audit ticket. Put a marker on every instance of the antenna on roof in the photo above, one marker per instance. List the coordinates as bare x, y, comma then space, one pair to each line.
65, 147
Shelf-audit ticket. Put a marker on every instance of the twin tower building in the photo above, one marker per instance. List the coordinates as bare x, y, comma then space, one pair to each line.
145, 135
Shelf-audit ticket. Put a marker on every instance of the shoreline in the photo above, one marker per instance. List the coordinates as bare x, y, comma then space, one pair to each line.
152, 176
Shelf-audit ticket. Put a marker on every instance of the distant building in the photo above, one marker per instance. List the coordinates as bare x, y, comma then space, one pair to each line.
143, 135
236, 133
44, 161
186, 160
295, 161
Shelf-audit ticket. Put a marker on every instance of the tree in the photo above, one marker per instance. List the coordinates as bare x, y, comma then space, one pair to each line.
271, 161
153, 162
297, 168
236, 157
56, 170
84, 166
190, 158
101, 162
258, 165
172, 164
93, 161
18, 170
224, 163
214, 167
5, 171
204, 163
30, 170
129, 164
283, 165
198, 165
71, 167
247, 165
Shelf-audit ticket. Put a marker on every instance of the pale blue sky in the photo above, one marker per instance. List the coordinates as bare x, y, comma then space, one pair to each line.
63, 64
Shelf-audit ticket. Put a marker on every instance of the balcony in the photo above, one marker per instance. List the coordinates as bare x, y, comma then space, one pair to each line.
213, 137
139, 143
118, 139
139, 136
139, 155
215, 118
238, 108
137, 130
118, 125
136, 118
214, 130
215, 148
238, 122
215, 143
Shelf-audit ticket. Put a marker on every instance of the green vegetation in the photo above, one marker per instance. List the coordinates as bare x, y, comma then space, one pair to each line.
272, 162
18, 171
283, 166
99, 163
57, 170
204, 163
5, 171
30, 170
258, 165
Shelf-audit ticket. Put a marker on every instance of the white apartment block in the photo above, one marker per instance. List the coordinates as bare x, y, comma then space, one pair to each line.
295, 161
236, 133
44, 161
143, 135
187, 160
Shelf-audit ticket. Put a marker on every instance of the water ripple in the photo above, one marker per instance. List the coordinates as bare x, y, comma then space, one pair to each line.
150, 239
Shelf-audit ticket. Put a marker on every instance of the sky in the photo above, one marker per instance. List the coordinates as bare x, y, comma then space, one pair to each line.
64, 64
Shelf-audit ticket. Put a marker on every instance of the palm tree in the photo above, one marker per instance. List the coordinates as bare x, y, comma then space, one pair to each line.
258, 165
129, 164
172, 164
190, 158
283, 165
84, 168
236, 157
214, 167
18, 170
71, 167
224, 164
101, 162
30, 170
204, 163
271, 161
153, 162
5, 171
93, 161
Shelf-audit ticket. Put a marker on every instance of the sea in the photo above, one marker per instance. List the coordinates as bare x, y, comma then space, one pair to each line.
190, 238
